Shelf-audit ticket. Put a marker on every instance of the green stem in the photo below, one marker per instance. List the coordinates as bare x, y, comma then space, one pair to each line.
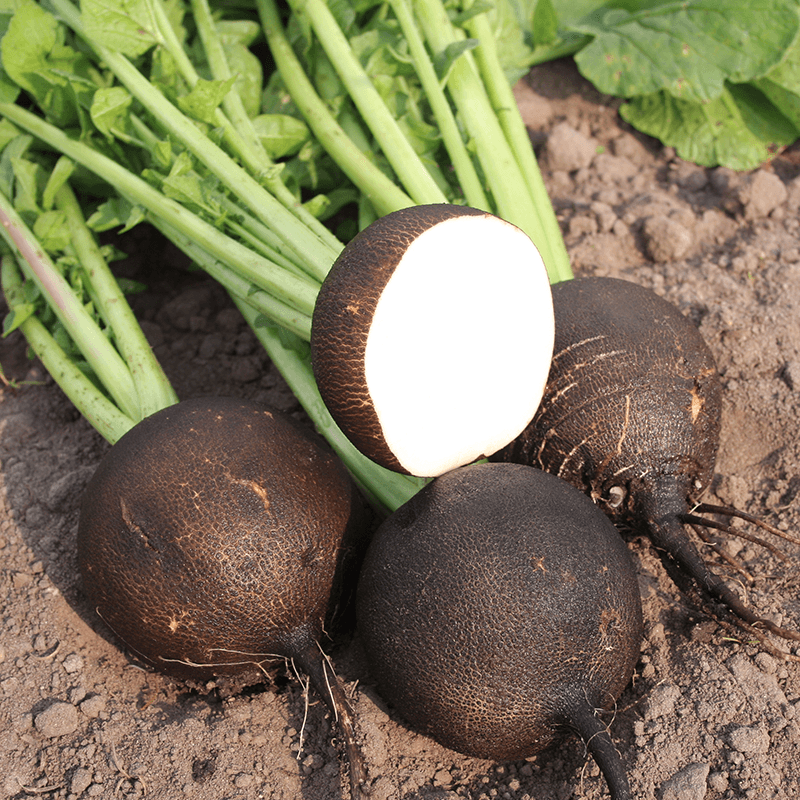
101, 413
386, 490
252, 231
92, 342
252, 156
250, 147
408, 167
448, 128
257, 236
232, 103
316, 255
168, 39
506, 182
382, 192
504, 103
298, 292
280, 313
568, 46
152, 385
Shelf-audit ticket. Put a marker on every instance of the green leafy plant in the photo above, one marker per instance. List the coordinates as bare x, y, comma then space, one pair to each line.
719, 81
166, 116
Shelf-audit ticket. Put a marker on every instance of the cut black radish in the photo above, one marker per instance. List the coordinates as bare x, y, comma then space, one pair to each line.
432, 337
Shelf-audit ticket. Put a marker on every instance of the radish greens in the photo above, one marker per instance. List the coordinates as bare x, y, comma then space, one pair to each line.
164, 112
719, 81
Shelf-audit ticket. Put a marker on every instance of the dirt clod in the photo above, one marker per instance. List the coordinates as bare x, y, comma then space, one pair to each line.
58, 719
688, 784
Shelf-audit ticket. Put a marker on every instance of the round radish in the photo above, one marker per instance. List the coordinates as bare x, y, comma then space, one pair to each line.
631, 416
499, 610
217, 537
419, 332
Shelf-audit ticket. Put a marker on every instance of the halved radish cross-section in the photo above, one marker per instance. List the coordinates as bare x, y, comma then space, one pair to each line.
432, 337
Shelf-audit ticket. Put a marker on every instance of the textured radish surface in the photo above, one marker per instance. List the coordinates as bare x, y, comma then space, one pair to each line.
217, 535
496, 608
419, 337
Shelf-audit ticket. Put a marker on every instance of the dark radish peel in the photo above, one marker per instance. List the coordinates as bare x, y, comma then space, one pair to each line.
498, 610
631, 416
218, 536
418, 332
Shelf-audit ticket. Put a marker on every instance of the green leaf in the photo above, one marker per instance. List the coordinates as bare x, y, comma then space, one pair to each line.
35, 57
763, 119
236, 36
52, 231
545, 23
571, 11
16, 317
127, 26
130, 286
336, 200
182, 165
165, 75
188, 188
687, 48
31, 36
247, 68
8, 131
204, 99
317, 205
782, 85
16, 148
514, 28
466, 14
281, 134
239, 31
109, 110
114, 213
380, 51
786, 98
29, 177
445, 60
739, 130
288, 339
9, 91
58, 177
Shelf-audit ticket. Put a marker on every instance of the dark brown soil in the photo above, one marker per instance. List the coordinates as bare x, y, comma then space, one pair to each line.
708, 715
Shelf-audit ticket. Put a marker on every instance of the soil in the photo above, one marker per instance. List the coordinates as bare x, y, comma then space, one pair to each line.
708, 714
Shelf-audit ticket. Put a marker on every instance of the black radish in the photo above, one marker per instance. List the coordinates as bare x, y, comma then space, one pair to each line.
418, 332
218, 536
499, 611
631, 416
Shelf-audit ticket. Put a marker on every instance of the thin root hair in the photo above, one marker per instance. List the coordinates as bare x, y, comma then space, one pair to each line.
305, 682
735, 630
327, 665
757, 629
694, 519
735, 563
728, 511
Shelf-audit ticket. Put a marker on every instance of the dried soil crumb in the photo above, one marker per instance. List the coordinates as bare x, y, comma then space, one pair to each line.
688, 784
568, 149
81, 780
745, 739
767, 192
58, 719
661, 702
666, 239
